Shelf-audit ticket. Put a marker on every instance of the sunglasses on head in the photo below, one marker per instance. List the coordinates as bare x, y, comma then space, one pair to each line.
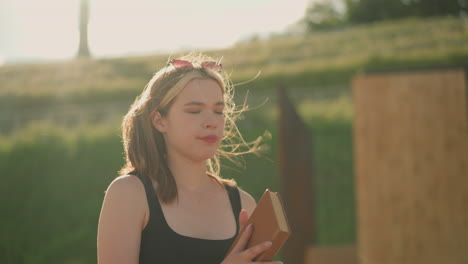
210, 65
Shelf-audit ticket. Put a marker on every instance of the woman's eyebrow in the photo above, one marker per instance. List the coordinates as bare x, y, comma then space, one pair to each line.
193, 103
220, 103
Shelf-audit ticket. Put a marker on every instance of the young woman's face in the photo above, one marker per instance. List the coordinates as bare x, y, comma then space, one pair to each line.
194, 125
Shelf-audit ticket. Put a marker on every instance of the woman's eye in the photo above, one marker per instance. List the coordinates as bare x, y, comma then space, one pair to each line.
192, 110
219, 111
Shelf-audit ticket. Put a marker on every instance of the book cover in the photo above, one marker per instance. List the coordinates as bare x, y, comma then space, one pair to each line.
269, 224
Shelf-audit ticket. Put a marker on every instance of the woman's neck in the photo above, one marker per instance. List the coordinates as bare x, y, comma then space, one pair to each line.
189, 175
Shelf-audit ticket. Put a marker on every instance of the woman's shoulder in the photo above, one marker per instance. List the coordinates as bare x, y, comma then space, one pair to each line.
126, 189
126, 184
126, 197
247, 201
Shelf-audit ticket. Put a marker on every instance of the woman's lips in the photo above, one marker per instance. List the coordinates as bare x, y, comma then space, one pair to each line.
210, 139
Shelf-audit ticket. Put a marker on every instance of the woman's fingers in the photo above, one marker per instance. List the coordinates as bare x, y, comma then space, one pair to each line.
254, 251
243, 239
243, 217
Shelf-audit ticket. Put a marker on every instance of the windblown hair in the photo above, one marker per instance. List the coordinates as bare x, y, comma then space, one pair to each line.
144, 145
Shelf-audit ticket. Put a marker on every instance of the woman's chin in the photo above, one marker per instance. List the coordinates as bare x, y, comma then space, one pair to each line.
207, 156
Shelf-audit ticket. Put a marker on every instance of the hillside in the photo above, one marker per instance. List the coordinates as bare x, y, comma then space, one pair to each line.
312, 63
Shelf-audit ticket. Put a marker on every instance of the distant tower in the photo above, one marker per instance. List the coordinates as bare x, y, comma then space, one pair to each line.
83, 51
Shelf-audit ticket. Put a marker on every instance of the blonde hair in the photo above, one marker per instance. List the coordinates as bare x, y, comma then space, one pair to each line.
144, 145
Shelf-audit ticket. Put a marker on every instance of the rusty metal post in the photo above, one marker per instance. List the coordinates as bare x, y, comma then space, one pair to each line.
296, 175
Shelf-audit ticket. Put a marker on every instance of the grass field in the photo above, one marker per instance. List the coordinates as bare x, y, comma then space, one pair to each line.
322, 58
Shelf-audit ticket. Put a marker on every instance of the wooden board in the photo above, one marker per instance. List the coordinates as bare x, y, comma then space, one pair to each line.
411, 167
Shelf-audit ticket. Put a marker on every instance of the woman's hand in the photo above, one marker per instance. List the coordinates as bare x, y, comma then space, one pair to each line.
241, 255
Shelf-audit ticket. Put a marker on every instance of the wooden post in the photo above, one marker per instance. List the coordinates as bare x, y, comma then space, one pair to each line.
411, 161
296, 173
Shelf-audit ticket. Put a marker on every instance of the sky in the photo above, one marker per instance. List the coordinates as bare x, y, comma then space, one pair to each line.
48, 29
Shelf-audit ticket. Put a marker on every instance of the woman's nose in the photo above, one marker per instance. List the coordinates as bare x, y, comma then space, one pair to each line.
210, 122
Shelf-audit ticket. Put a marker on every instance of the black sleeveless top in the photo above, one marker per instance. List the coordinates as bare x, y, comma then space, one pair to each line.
162, 245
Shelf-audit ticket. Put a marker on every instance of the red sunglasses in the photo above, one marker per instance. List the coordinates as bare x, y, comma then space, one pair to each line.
211, 65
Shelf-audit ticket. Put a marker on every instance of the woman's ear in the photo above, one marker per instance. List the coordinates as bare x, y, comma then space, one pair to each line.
158, 121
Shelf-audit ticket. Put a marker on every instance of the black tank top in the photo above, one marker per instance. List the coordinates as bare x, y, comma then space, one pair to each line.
162, 245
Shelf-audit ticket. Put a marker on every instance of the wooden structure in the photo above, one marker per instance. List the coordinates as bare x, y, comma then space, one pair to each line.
296, 175
411, 167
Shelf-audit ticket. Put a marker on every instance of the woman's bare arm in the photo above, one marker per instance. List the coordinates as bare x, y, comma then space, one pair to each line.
122, 218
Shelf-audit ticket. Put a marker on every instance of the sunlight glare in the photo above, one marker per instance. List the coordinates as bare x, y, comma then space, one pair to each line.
50, 28
47, 28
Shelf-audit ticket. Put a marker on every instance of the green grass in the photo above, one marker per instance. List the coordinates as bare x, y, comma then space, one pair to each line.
54, 178
51, 190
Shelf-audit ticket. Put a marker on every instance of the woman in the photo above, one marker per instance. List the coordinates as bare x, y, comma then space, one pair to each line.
170, 205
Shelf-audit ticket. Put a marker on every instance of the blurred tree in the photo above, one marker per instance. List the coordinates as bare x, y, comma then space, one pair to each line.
83, 50
362, 11
426, 8
322, 15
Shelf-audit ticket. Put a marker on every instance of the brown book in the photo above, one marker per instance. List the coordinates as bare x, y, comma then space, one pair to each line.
269, 224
